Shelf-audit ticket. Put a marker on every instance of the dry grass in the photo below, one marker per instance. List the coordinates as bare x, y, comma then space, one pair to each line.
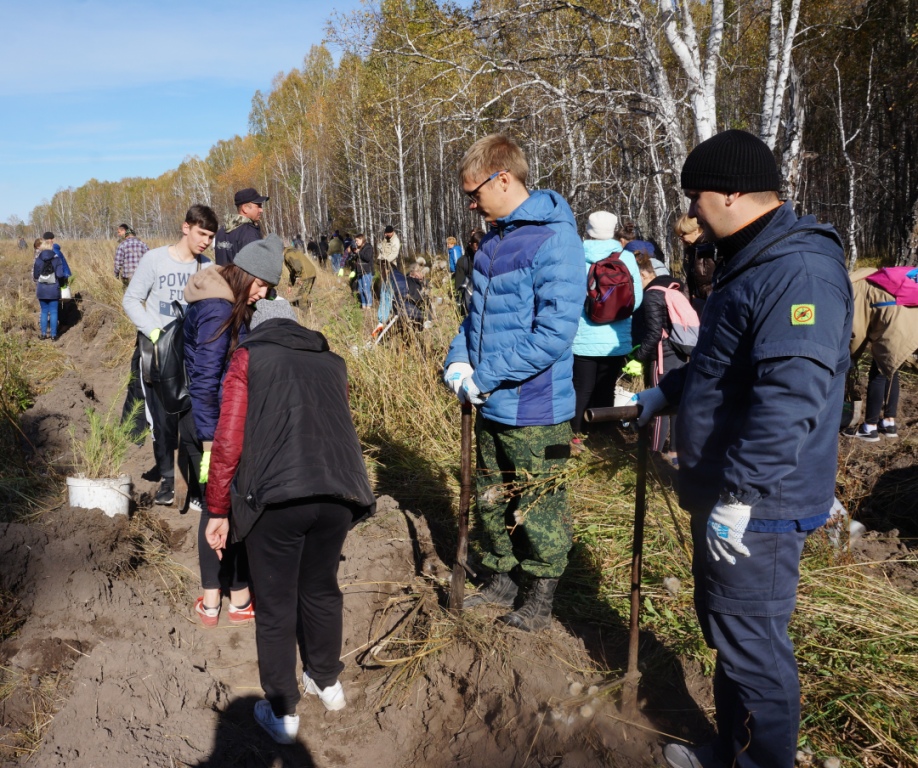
154, 546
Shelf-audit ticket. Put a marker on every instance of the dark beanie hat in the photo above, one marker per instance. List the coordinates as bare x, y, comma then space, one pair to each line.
47, 236
732, 161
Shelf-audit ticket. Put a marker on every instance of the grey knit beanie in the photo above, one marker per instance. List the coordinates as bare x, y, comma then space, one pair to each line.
263, 259
732, 161
271, 309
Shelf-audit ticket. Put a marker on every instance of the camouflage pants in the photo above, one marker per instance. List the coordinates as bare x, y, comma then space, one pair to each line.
526, 520
302, 289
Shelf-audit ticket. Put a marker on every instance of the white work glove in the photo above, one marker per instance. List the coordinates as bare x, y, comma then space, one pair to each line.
726, 526
469, 392
651, 401
454, 375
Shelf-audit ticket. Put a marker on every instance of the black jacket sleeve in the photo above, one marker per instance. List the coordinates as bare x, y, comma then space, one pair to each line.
654, 316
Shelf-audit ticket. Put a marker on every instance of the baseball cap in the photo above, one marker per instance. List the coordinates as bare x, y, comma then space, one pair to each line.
249, 195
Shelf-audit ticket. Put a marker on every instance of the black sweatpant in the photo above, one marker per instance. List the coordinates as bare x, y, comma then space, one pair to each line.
594, 384
882, 395
294, 550
165, 432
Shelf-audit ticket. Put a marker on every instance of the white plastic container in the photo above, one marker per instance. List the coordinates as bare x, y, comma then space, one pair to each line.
622, 396
110, 494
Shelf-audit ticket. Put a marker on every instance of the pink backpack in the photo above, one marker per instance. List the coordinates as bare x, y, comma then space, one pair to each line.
900, 282
682, 317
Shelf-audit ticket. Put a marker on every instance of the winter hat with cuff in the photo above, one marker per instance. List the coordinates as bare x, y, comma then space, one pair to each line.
732, 161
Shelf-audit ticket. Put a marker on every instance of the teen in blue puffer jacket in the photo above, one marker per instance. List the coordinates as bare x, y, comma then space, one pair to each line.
528, 292
512, 358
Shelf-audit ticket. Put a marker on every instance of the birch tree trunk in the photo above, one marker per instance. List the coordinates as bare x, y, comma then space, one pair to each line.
777, 69
792, 157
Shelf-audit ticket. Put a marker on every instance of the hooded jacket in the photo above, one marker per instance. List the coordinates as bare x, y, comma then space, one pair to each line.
760, 400
605, 339
210, 303
285, 430
364, 262
528, 293
48, 291
236, 233
648, 325
388, 248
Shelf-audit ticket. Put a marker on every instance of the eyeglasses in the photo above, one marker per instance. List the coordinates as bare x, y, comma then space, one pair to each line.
474, 193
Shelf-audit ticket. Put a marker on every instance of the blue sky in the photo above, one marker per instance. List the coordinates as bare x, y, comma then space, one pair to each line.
106, 90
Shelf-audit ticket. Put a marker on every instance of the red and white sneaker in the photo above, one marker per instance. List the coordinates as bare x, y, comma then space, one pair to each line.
209, 617
242, 615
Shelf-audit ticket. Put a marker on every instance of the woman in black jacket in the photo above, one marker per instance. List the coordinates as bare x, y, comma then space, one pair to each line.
697, 260
648, 323
288, 469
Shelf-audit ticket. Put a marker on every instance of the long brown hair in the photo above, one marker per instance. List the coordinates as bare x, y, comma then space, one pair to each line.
240, 283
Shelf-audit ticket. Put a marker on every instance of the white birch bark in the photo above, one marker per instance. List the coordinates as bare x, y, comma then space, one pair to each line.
854, 225
777, 69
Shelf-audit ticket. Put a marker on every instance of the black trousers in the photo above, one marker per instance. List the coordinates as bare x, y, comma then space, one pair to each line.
882, 395
294, 550
594, 384
165, 432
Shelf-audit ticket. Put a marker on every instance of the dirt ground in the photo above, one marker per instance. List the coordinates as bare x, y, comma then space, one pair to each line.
110, 648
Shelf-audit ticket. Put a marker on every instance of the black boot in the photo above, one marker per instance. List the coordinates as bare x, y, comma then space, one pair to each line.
500, 590
535, 613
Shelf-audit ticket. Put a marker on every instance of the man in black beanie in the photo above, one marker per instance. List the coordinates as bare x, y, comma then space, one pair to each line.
758, 408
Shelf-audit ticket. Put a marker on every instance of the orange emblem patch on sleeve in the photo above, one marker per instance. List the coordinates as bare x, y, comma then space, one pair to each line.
803, 314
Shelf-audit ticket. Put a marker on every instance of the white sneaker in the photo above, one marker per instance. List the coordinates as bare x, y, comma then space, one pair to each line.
281, 729
332, 697
683, 756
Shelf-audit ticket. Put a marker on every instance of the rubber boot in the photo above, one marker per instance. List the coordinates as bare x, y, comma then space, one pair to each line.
500, 590
535, 613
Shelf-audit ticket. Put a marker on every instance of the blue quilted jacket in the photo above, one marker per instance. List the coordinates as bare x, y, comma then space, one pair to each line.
528, 291
606, 339
209, 306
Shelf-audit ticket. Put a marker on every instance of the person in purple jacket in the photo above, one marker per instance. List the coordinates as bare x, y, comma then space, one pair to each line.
221, 303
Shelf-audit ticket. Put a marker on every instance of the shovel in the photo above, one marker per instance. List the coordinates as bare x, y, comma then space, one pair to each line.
460, 566
631, 413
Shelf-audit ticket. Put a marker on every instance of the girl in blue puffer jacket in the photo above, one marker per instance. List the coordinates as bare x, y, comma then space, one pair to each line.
600, 349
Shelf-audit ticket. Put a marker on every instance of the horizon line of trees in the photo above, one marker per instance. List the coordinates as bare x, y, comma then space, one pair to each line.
607, 99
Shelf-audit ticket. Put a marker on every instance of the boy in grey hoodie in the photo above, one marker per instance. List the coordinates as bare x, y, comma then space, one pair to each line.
159, 280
